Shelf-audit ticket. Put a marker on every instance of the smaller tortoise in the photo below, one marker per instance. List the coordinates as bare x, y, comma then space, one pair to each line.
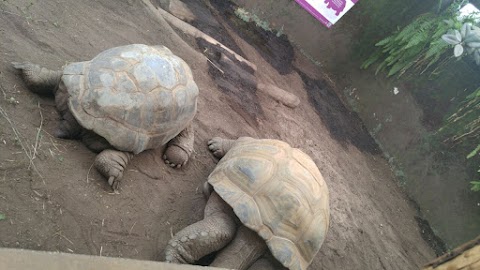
125, 100
266, 193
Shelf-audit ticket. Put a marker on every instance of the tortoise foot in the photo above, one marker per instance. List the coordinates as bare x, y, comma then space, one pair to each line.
111, 164
211, 234
219, 147
180, 148
176, 156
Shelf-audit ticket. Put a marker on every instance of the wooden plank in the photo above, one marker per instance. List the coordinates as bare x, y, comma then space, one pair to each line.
465, 257
20, 259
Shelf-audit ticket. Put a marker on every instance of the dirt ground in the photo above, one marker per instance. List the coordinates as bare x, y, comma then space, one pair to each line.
57, 202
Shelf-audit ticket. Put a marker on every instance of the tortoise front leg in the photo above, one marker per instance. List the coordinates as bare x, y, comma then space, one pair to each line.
111, 164
205, 236
219, 146
180, 148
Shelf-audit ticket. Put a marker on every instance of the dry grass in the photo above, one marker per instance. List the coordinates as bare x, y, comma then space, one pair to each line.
30, 151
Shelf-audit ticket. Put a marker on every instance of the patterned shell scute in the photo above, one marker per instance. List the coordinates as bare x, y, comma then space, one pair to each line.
277, 191
137, 97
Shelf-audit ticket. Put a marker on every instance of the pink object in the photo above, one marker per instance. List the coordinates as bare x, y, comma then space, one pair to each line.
337, 5
327, 12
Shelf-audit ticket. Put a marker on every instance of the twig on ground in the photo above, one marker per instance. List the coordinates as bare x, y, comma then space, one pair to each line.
130, 232
217, 67
3, 91
193, 31
63, 236
37, 137
88, 173
8, 12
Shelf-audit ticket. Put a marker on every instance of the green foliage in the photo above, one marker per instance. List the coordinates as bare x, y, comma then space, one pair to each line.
380, 18
463, 129
464, 125
475, 185
417, 46
474, 152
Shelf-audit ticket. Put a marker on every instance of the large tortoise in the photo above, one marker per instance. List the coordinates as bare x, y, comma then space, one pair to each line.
125, 100
279, 199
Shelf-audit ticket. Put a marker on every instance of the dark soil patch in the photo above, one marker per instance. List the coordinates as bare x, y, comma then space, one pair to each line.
237, 81
344, 125
435, 242
434, 107
240, 92
205, 21
276, 50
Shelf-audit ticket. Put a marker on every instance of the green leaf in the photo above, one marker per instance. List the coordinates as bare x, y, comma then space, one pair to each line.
474, 95
396, 68
2, 216
474, 152
372, 59
475, 185
383, 41
380, 67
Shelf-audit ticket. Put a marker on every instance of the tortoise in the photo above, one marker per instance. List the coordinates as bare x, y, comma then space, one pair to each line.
265, 193
124, 101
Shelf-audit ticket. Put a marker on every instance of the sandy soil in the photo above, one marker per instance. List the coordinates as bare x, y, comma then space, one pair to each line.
57, 202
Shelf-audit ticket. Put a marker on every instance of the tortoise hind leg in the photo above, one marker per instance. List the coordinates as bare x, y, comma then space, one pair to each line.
111, 164
205, 236
68, 127
242, 252
39, 79
267, 264
180, 148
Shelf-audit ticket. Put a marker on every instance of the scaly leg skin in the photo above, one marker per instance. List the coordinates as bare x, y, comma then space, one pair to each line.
242, 252
68, 127
267, 264
180, 148
204, 237
94, 142
38, 79
207, 190
111, 164
219, 146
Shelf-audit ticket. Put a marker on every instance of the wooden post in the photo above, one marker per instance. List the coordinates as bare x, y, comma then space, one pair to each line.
465, 257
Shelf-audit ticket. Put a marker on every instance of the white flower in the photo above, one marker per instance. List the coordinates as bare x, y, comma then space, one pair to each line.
395, 91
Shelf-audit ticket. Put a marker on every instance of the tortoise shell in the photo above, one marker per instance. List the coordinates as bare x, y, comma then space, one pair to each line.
278, 192
137, 97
